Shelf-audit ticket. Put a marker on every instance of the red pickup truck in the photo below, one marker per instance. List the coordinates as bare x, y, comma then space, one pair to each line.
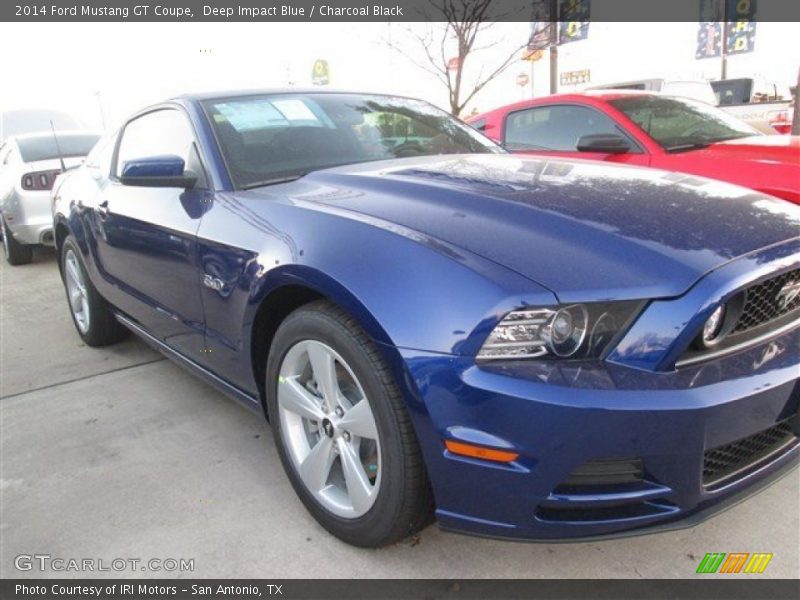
648, 129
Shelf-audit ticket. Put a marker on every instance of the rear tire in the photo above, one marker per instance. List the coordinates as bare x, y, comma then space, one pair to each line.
16, 253
90, 313
388, 460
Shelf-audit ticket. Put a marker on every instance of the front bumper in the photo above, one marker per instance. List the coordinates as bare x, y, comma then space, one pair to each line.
558, 417
29, 217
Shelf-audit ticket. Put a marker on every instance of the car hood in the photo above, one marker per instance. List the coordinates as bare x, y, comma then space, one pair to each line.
757, 148
585, 230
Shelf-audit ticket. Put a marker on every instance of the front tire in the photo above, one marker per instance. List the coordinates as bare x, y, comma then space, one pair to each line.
342, 429
16, 253
90, 313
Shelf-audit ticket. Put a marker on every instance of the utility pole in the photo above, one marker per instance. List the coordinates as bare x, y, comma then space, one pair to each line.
553, 14
724, 48
796, 106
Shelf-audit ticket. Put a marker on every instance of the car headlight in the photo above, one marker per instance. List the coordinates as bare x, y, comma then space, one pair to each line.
571, 331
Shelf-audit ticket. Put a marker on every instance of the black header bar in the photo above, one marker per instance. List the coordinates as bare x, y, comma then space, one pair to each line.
394, 10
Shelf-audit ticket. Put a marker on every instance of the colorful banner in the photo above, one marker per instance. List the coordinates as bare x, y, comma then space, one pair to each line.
570, 25
540, 35
574, 21
739, 18
741, 37
542, 31
709, 40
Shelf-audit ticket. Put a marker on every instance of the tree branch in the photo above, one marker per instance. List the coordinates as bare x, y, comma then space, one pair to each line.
465, 22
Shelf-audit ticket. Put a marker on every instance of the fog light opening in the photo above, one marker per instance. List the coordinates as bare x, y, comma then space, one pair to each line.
713, 325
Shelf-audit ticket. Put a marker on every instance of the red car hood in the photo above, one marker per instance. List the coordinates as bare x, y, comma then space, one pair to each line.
780, 148
768, 163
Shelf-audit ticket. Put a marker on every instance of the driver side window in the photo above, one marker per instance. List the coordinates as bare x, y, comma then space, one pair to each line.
554, 127
159, 133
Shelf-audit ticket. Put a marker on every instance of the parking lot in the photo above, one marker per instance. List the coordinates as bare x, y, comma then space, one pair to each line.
119, 453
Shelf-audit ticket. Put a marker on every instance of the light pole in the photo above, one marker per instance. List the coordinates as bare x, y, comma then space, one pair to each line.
553, 46
724, 48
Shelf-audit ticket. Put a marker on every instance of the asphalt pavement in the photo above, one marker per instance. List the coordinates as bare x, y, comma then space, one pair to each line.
118, 453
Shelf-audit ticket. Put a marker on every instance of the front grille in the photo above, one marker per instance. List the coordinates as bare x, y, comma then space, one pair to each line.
753, 315
724, 462
769, 300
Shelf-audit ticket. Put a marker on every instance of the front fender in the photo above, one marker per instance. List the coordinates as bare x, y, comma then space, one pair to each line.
405, 289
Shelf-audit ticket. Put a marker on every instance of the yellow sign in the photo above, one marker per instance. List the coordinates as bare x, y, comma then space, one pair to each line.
320, 74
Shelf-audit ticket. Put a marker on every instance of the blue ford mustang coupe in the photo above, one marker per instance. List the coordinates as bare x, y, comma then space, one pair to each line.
526, 348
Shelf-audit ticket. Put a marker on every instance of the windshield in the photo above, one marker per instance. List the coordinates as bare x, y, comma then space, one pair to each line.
45, 148
681, 123
272, 138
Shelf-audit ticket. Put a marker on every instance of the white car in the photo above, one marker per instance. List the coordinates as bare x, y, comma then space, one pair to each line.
29, 165
27, 120
698, 90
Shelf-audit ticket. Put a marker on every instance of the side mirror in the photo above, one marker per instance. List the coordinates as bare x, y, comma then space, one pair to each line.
157, 171
606, 143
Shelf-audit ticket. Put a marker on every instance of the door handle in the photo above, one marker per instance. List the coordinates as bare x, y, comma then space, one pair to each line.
102, 209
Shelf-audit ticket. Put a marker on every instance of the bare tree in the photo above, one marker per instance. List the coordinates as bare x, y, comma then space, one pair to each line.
452, 34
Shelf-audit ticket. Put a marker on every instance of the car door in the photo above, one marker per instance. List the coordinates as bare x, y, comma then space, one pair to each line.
145, 237
554, 130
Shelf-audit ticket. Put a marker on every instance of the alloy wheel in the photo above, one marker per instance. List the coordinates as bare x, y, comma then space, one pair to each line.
76, 290
328, 429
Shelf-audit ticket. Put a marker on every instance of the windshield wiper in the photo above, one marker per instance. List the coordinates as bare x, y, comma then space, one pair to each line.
688, 146
697, 144
266, 182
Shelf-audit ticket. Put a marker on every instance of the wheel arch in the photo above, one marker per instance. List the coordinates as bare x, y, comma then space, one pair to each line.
60, 232
283, 291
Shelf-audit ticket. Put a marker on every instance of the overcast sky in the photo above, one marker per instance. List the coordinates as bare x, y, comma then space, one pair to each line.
125, 66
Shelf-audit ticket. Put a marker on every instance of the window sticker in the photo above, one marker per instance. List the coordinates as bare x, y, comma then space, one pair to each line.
247, 116
264, 114
295, 110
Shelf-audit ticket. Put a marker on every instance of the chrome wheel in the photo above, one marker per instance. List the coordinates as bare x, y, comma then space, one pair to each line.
328, 429
76, 291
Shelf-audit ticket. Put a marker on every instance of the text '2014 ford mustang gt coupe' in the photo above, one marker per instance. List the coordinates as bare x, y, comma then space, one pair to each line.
533, 348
